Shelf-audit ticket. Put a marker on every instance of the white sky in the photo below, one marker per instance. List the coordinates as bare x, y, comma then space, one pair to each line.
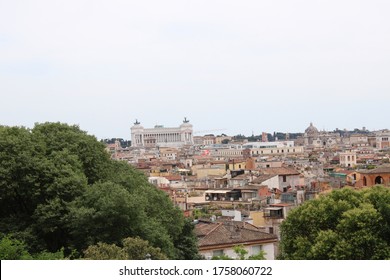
244, 66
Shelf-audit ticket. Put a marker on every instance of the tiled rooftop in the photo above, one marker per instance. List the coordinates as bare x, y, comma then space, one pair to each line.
231, 232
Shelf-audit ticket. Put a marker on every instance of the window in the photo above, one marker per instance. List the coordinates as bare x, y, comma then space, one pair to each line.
256, 249
276, 213
284, 178
217, 253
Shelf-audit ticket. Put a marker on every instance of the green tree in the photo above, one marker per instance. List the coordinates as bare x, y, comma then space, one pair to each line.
13, 249
345, 224
106, 213
186, 243
259, 256
90, 152
241, 254
130, 249
60, 192
36, 186
222, 257
104, 251
44, 255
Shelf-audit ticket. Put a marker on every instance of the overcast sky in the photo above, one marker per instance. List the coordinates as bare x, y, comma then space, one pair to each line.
242, 66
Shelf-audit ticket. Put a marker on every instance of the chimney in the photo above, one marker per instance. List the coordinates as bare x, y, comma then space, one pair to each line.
235, 230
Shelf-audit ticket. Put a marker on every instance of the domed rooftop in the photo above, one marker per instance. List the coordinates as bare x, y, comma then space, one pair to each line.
311, 130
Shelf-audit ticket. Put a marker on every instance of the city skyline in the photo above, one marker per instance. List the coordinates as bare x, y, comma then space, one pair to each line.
249, 67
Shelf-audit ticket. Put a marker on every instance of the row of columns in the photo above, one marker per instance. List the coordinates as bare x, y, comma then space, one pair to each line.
169, 137
164, 137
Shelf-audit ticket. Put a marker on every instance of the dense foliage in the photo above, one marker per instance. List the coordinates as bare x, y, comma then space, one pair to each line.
241, 254
130, 249
345, 224
60, 191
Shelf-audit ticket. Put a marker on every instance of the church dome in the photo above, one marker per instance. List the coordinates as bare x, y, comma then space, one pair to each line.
311, 130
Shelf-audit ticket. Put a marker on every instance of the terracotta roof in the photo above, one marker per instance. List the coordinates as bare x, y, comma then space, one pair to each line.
218, 162
345, 171
230, 233
173, 177
264, 177
237, 160
280, 171
252, 187
204, 228
382, 169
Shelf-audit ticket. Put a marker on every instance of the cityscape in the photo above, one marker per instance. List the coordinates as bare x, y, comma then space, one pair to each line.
253, 180
170, 136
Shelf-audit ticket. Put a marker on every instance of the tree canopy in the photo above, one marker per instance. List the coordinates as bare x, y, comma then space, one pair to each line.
242, 254
130, 249
344, 224
59, 190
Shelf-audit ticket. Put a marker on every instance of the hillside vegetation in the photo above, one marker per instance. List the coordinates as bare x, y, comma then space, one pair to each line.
60, 194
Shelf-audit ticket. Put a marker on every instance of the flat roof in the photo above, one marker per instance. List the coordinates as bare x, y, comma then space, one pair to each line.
218, 191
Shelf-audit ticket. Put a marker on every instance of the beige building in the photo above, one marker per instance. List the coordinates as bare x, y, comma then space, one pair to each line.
358, 140
276, 148
348, 159
166, 153
382, 139
208, 170
221, 139
226, 151
276, 151
205, 140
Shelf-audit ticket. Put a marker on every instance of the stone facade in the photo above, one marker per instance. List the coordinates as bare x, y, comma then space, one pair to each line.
348, 159
316, 139
161, 136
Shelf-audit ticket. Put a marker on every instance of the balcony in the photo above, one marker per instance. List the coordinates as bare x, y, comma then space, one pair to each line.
273, 213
